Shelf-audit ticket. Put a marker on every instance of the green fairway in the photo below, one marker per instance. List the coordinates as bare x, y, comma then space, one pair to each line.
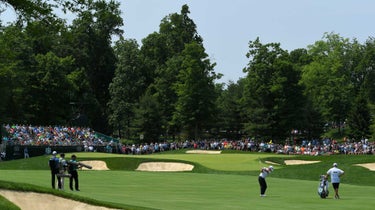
230, 182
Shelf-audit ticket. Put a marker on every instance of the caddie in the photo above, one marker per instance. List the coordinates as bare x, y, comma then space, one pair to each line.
62, 170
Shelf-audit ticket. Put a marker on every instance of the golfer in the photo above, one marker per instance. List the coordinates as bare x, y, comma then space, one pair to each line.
335, 174
262, 179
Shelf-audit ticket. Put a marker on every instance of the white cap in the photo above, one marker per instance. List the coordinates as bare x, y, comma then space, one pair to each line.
271, 167
334, 164
54, 153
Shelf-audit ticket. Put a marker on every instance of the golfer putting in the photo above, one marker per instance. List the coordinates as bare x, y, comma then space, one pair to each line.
264, 172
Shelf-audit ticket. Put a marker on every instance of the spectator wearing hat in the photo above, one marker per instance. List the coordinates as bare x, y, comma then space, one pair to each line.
335, 173
54, 167
264, 172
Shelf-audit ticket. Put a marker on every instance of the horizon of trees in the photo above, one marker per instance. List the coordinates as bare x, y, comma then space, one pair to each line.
52, 72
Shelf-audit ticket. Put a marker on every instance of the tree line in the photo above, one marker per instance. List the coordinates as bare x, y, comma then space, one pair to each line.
86, 73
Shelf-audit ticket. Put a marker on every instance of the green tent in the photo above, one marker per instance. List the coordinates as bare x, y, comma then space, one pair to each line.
105, 137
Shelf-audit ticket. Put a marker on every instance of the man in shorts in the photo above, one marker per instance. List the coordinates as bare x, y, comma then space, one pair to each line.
335, 173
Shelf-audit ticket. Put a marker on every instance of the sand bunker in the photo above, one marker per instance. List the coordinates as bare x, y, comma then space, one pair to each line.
299, 162
164, 166
27, 201
370, 166
203, 152
96, 165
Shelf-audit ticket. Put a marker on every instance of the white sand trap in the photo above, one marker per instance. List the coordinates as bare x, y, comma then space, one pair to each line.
164, 166
37, 201
370, 166
299, 162
203, 152
96, 165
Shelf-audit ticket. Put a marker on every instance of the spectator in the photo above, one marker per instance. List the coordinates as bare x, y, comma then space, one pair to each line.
26, 153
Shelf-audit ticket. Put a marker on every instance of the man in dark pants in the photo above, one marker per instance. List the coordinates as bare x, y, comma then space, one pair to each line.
73, 166
262, 179
54, 167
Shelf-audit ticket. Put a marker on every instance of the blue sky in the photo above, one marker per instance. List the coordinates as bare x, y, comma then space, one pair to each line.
227, 26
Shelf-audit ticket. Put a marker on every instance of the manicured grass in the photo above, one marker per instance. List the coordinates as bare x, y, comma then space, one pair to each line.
225, 181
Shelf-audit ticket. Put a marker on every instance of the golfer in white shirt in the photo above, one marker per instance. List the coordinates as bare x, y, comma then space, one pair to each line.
335, 174
262, 179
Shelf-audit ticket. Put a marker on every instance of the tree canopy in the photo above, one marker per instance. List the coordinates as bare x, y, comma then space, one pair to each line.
55, 72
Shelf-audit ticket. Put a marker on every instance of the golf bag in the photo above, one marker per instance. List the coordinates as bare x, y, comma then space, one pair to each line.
79, 164
323, 187
84, 165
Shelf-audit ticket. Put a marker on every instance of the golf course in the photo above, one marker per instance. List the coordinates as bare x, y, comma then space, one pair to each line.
222, 180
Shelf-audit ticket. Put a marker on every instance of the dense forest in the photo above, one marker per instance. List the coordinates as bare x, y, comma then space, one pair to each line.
86, 73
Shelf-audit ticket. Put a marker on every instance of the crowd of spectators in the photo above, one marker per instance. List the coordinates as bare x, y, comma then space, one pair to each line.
314, 147
29, 135
86, 137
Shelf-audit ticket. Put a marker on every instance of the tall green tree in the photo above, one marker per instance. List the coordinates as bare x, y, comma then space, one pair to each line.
166, 94
230, 118
24, 44
272, 98
149, 119
364, 74
49, 90
327, 77
11, 50
127, 86
359, 118
161, 57
92, 33
312, 123
179, 29
29, 9
195, 107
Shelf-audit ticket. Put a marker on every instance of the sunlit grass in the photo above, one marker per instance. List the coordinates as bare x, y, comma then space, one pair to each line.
225, 181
